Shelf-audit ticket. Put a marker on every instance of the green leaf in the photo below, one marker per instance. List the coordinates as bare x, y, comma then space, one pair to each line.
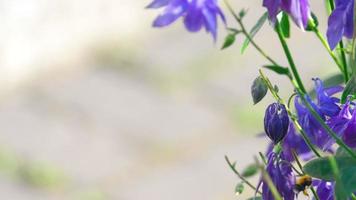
255, 198
254, 31
285, 25
348, 179
334, 80
278, 69
229, 40
322, 169
250, 170
341, 152
339, 192
258, 90
350, 90
239, 189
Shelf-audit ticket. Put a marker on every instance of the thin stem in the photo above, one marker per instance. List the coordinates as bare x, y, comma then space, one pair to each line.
263, 158
328, 8
326, 45
331, 4
290, 114
289, 58
344, 62
314, 193
232, 166
245, 32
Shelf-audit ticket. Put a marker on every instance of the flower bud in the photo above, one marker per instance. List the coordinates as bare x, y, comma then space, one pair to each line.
276, 122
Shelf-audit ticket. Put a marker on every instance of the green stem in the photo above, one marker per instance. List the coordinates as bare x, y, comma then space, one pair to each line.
344, 62
331, 5
232, 166
314, 193
247, 35
326, 45
289, 58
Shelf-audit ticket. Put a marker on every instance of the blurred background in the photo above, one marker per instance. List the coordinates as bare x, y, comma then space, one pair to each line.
97, 105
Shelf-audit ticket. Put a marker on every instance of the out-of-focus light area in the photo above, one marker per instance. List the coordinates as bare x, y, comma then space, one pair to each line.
95, 104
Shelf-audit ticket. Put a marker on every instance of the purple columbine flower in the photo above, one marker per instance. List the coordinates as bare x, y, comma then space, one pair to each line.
276, 122
299, 10
326, 107
196, 13
341, 22
282, 176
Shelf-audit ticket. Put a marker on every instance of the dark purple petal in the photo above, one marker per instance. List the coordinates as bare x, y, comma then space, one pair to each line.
333, 90
349, 22
276, 122
273, 7
282, 176
326, 104
299, 10
194, 19
341, 22
335, 28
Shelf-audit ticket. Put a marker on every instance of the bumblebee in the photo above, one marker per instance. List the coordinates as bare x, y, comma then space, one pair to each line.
302, 184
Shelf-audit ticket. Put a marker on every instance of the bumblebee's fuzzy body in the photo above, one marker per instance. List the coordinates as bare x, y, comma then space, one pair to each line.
302, 183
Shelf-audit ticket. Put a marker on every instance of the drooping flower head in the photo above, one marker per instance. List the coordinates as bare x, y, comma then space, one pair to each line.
276, 122
341, 22
196, 13
326, 107
282, 177
299, 10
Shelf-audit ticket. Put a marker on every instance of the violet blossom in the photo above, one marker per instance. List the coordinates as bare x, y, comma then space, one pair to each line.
281, 173
196, 14
299, 10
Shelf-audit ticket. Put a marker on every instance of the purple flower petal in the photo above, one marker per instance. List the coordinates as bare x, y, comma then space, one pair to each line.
335, 28
299, 10
158, 3
341, 22
196, 14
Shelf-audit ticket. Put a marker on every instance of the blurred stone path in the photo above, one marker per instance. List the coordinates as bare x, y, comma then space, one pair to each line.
116, 136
